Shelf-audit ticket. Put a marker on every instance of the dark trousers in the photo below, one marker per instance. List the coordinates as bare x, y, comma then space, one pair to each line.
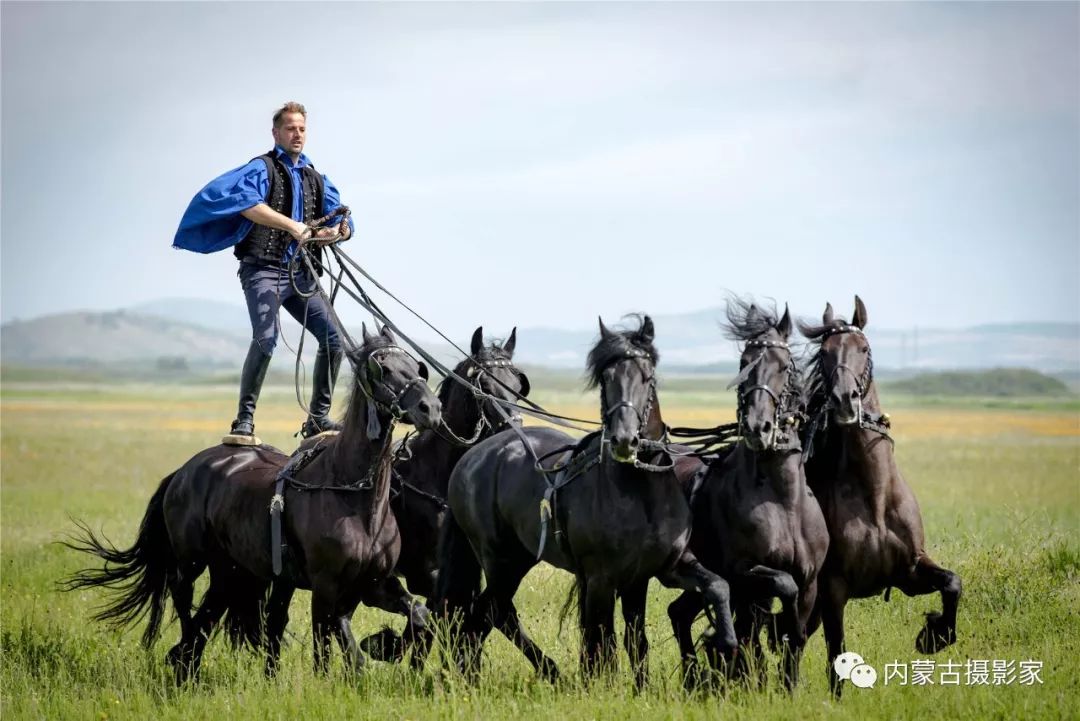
266, 290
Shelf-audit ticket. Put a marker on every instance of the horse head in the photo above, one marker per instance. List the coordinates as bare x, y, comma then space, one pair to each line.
394, 381
623, 365
494, 377
845, 367
767, 380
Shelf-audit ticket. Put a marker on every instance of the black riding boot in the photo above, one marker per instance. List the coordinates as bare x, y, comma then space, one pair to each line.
322, 388
251, 380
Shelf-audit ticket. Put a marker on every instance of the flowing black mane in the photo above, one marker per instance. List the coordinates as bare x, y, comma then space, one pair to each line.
615, 345
746, 320
493, 352
814, 377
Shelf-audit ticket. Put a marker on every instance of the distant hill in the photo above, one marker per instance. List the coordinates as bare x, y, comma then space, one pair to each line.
204, 331
997, 382
115, 337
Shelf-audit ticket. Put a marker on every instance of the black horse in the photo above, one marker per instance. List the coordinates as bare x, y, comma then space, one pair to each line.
619, 517
756, 523
875, 526
423, 464
340, 539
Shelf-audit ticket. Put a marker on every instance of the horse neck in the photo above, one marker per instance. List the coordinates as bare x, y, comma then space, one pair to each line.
462, 414
355, 454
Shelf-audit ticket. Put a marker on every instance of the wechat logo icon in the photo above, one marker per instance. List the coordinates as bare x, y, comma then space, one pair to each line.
850, 666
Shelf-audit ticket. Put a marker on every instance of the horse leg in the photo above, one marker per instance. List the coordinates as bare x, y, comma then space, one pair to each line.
749, 663
766, 583
512, 628
634, 639
597, 627
342, 631
212, 608
689, 575
796, 642
390, 595
182, 590
277, 618
832, 598
324, 622
940, 629
682, 612
504, 578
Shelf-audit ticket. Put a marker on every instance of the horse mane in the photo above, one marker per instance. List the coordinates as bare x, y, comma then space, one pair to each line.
746, 320
493, 352
815, 334
355, 420
615, 346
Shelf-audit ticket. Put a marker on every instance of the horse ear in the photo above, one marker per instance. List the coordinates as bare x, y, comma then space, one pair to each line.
525, 385
648, 330
511, 342
477, 344
604, 332
386, 333
784, 326
827, 316
423, 370
366, 335
859, 318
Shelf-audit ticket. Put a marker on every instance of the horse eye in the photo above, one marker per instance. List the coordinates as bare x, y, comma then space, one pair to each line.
866, 349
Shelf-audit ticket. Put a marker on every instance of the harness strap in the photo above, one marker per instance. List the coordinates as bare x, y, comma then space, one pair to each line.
277, 507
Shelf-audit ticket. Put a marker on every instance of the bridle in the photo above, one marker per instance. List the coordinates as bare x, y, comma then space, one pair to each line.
483, 423
370, 386
643, 415
880, 424
782, 415
862, 382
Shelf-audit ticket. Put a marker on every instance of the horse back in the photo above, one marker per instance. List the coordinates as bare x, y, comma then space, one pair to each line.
495, 492
218, 500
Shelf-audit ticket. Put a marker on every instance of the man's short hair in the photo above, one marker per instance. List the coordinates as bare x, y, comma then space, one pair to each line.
289, 107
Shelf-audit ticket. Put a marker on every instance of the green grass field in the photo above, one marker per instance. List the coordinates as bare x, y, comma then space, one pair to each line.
999, 489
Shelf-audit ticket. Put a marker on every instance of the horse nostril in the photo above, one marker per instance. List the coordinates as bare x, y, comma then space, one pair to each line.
424, 407
854, 394
766, 427
635, 442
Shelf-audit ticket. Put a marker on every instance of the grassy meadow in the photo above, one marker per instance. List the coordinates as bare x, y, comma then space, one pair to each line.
999, 485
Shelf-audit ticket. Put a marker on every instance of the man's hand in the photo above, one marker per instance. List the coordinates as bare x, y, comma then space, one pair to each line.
344, 229
299, 231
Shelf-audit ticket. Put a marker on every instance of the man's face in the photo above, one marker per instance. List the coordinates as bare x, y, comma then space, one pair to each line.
291, 133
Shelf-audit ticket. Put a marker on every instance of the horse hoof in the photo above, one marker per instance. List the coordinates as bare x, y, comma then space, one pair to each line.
386, 645
549, 672
935, 635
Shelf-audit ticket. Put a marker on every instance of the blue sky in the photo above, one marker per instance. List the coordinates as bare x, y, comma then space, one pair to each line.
540, 164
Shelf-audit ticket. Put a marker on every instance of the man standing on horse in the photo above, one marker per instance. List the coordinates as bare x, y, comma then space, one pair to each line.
263, 210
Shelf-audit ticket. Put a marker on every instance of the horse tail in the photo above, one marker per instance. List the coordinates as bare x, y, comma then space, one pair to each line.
139, 574
458, 582
245, 616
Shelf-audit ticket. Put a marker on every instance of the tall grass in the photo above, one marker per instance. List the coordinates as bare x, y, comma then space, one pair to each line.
998, 489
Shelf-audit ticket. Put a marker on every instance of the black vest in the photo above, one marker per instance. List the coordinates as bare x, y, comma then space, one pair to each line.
264, 245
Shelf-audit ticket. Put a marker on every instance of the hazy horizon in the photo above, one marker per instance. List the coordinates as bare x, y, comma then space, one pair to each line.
541, 164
